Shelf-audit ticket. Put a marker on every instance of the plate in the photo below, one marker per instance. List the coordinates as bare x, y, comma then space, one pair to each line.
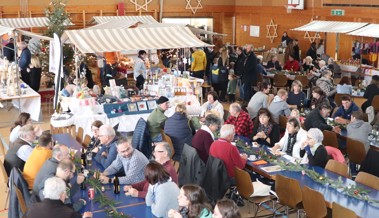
252, 158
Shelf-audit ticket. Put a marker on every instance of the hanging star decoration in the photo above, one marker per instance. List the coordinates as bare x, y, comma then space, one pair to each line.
194, 9
141, 6
275, 34
312, 38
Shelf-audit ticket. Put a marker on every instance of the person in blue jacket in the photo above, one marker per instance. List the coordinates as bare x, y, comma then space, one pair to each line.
343, 113
108, 151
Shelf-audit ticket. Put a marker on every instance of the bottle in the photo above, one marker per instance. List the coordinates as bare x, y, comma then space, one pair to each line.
301, 107
82, 185
116, 185
83, 158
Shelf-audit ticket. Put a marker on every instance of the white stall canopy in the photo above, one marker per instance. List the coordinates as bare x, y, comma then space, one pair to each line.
371, 30
142, 19
115, 24
109, 40
330, 26
28, 22
9, 30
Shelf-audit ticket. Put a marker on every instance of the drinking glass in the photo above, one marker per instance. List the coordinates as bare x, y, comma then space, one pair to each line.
89, 159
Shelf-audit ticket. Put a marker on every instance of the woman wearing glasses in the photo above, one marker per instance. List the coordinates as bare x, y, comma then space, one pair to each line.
95, 141
316, 152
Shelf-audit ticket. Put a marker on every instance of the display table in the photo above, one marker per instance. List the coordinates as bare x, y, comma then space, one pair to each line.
29, 101
85, 115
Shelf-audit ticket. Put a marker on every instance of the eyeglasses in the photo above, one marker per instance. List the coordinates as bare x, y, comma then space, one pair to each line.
309, 138
95, 130
158, 151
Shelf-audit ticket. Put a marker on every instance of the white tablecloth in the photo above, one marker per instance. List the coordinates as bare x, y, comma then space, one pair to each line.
30, 102
126, 123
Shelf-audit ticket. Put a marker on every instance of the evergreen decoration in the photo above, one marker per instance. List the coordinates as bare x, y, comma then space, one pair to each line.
58, 17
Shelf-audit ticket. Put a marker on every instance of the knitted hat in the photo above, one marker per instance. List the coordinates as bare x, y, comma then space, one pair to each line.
162, 100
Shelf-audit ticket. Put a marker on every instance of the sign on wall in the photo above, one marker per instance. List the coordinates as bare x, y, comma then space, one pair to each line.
254, 31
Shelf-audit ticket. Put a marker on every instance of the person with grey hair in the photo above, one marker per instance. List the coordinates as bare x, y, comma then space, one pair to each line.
21, 149
316, 152
53, 204
204, 137
48, 169
326, 84
240, 120
228, 153
131, 160
162, 154
24, 61
108, 152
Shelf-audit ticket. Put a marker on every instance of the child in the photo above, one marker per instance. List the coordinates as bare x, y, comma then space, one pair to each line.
215, 75
232, 84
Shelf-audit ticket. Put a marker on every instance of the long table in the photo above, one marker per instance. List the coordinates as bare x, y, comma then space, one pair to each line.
135, 207
361, 208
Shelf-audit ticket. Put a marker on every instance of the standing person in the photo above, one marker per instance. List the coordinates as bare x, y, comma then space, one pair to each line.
320, 48
157, 119
8, 50
139, 69
238, 68
35, 73
296, 50
198, 63
215, 75
193, 203
209, 55
232, 84
250, 73
371, 91
24, 62
312, 51
285, 39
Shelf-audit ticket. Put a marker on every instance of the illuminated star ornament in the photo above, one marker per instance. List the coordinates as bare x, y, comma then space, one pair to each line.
194, 9
312, 38
275, 34
140, 7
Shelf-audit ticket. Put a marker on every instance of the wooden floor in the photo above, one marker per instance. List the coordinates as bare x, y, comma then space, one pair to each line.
7, 117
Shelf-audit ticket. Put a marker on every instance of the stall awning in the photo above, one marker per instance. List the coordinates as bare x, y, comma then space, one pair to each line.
371, 30
330, 26
195, 30
115, 24
108, 40
5, 30
28, 22
142, 19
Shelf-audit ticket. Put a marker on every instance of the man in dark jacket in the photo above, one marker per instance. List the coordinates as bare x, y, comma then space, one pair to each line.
317, 119
24, 62
343, 114
9, 50
250, 72
238, 68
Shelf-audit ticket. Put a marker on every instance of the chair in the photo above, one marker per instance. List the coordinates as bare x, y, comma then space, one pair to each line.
2, 149
167, 139
66, 129
226, 115
79, 135
280, 81
375, 103
314, 203
245, 188
283, 122
4, 182
337, 168
86, 141
330, 139
289, 193
305, 82
338, 100
49, 99
21, 200
368, 180
342, 212
355, 150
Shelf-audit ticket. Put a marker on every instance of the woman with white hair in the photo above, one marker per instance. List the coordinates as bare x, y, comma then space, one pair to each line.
316, 152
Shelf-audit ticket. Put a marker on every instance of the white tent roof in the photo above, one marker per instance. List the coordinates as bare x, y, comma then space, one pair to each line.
371, 30
5, 30
107, 40
195, 30
330, 26
114, 24
27, 22
142, 19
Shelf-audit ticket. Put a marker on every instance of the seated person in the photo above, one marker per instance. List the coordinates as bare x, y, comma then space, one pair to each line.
343, 113
296, 97
279, 105
273, 64
326, 84
260, 99
178, 128
66, 170
308, 64
157, 119
240, 120
20, 150
317, 119
40, 154
266, 131
260, 67
371, 91
292, 140
226, 208
204, 137
162, 154
296, 114
358, 129
316, 152
318, 98
131, 160
212, 105
23, 119
49, 168
95, 139
108, 151
291, 64
228, 153
163, 192
344, 86
55, 193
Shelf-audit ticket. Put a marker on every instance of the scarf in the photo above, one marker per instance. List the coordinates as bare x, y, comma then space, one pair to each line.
290, 143
266, 129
